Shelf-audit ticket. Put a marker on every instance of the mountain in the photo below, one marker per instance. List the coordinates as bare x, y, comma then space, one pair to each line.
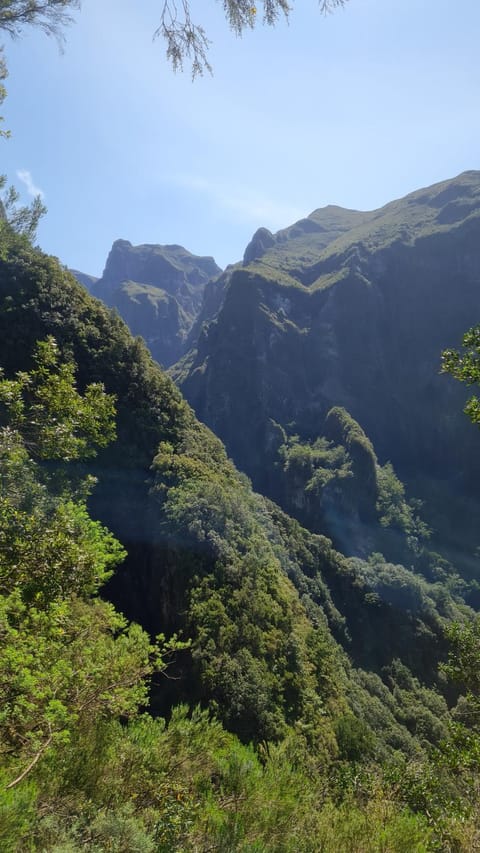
302, 706
207, 556
158, 290
352, 310
88, 281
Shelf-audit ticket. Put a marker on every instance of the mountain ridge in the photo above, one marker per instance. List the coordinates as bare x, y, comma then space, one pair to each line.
361, 323
157, 289
306, 704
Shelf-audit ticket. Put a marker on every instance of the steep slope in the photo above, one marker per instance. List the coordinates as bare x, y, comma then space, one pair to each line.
270, 609
350, 309
88, 281
158, 290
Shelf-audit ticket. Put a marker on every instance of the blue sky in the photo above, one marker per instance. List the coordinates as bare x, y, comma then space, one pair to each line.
355, 108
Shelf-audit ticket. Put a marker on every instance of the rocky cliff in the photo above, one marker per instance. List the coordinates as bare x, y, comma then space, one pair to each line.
158, 290
349, 309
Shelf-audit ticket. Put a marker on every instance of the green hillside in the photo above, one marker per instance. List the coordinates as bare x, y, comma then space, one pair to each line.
351, 310
158, 291
304, 702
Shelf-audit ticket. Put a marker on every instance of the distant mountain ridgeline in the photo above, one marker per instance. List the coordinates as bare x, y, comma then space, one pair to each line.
342, 309
349, 309
157, 290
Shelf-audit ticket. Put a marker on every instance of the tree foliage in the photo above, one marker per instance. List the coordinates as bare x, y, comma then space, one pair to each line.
51, 16
3, 93
54, 420
64, 657
465, 366
187, 41
464, 660
49, 545
21, 219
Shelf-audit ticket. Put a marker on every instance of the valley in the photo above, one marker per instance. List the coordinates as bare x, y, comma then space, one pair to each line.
298, 532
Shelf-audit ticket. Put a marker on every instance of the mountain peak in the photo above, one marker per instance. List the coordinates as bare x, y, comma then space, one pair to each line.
262, 240
158, 290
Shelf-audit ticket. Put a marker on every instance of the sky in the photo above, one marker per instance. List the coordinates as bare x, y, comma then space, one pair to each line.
355, 108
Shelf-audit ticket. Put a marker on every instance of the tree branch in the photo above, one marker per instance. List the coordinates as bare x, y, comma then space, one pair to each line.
188, 41
32, 764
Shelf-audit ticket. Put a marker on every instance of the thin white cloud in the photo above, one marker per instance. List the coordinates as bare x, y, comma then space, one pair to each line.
246, 204
26, 178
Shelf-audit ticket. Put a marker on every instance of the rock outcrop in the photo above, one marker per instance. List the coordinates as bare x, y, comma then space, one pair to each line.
158, 290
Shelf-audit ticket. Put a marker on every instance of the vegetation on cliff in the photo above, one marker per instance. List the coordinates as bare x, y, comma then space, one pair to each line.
303, 707
351, 310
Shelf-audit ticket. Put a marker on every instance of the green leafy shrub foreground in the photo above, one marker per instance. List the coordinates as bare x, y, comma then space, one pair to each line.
314, 717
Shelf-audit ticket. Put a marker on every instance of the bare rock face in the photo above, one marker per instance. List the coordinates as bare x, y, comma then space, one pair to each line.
157, 290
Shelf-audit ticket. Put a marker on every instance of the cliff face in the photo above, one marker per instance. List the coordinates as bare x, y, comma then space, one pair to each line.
349, 309
267, 605
157, 290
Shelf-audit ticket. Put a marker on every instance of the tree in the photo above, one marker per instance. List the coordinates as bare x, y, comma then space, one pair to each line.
53, 419
50, 15
464, 658
20, 218
67, 659
3, 91
465, 366
185, 39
